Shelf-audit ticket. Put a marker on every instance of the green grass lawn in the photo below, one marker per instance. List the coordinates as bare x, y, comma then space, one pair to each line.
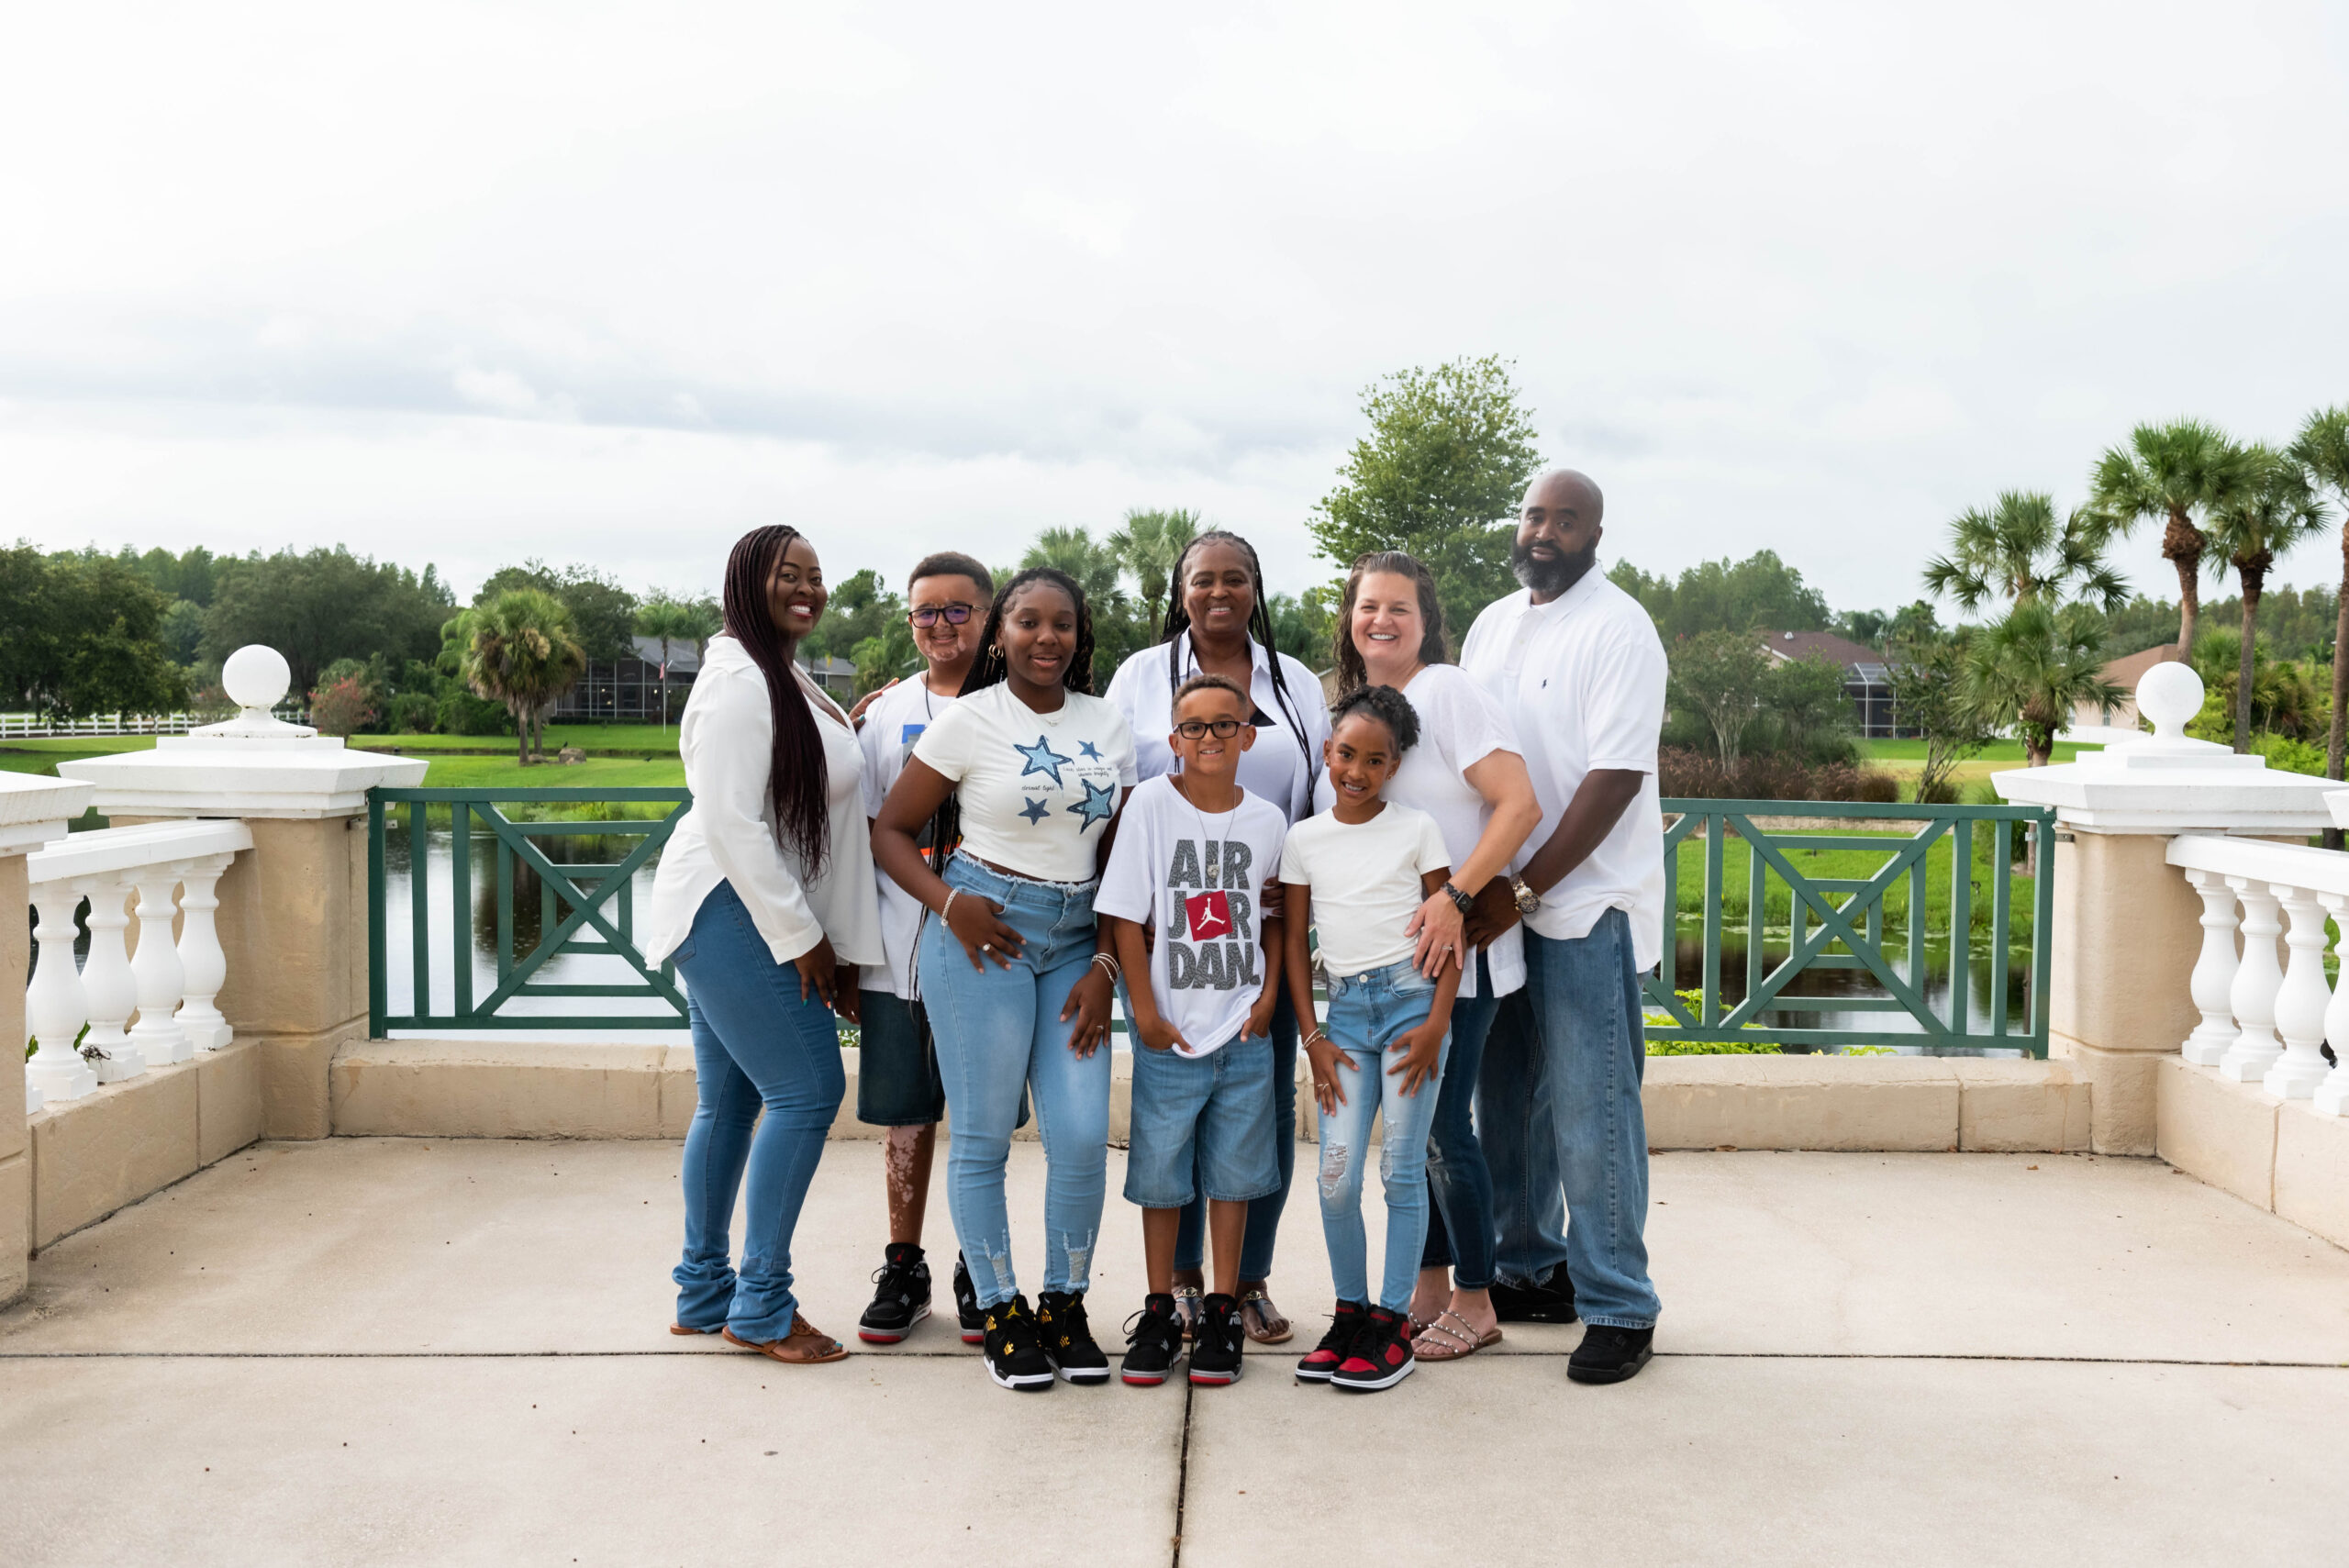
1997, 754
588, 738
1778, 910
446, 773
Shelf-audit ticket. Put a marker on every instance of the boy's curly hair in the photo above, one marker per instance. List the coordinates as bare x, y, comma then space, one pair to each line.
1387, 706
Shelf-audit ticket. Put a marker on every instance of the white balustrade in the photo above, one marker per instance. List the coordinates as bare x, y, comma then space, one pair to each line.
2247, 1001
147, 1011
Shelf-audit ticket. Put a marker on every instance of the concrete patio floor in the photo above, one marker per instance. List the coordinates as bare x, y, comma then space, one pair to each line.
397, 1351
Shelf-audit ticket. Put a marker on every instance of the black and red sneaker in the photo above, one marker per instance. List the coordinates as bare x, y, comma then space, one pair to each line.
1153, 1343
1216, 1342
1320, 1363
901, 1296
967, 1311
1381, 1356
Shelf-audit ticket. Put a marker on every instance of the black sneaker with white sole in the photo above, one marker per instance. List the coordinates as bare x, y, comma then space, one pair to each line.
1068, 1339
1216, 1342
1318, 1363
1153, 1343
1015, 1357
966, 1305
900, 1295
1608, 1355
1381, 1356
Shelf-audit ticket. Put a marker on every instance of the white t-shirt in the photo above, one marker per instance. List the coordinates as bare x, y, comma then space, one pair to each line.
1276, 768
1582, 679
1036, 789
1460, 726
892, 725
1365, 882
1199, 877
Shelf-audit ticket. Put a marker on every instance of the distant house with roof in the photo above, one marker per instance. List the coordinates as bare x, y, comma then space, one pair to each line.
628, 691
1868, 681
2124, 673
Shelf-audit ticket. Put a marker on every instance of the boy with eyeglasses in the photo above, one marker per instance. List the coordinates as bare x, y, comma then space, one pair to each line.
1193, 856
897, 1085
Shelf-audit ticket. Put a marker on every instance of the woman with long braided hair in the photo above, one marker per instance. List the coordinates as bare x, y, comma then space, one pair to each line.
1218, 623
765, 903
1023, 776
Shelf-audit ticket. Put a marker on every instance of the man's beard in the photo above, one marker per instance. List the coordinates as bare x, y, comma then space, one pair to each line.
1554, 577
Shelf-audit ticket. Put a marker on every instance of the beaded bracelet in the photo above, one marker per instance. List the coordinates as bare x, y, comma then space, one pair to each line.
948, 907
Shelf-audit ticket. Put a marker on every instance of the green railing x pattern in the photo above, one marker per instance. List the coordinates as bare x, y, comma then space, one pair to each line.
583, 908
1839, 922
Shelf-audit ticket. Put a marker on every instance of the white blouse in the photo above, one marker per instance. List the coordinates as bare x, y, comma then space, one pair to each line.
726, 740
1275, 767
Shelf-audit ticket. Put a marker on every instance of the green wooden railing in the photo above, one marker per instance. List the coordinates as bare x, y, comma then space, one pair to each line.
583, 908
1844, 922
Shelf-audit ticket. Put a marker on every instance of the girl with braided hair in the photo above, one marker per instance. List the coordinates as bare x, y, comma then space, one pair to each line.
765, 903
1218, 623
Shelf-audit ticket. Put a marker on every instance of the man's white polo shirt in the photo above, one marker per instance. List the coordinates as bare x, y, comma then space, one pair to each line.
1582, 677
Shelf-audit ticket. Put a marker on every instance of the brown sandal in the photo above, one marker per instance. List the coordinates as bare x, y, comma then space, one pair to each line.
1260, 1320
806, 1345
1186, 1308
1456, 1343
681, 1329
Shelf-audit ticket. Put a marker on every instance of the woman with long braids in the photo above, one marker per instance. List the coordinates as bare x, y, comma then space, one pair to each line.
1026, 770
765, 903
1218, 623
1468, 773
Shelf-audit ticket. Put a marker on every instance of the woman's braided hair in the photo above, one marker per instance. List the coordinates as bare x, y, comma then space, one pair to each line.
797, 783
1260, 626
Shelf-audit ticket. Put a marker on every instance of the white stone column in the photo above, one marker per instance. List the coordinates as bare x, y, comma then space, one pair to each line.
2301, 1004
2214, 970
155, 969
202, 963
108, 988
54, 1008
33, 812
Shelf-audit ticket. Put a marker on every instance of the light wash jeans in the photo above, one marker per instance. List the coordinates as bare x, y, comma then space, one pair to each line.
1586, 996
1367, 1013
1519, 1136
998, 1029
756, 1047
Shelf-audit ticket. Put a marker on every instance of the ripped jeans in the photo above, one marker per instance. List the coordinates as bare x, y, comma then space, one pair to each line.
1367, 1013
998, 1029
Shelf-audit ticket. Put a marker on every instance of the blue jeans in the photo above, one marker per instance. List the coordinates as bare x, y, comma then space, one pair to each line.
1588, 996
1202, 1126
1265, 1212
1367, 1013
999, 1030
1518, 1129
756, 1047
1460, 1188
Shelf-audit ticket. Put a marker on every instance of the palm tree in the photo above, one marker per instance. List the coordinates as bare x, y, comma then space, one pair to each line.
668, 620
1095, 566
521, 649
1148, 546
2270, 509
2171, 472
2032, 668
2018, 552
2322, 451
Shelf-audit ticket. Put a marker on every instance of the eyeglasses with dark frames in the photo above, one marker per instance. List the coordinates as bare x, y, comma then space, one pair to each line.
955, 613
1224, 729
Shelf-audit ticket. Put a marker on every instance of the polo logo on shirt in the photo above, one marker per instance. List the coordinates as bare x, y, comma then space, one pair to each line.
1210, 915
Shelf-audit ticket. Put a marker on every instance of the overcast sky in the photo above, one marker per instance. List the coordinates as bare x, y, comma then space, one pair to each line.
470, 284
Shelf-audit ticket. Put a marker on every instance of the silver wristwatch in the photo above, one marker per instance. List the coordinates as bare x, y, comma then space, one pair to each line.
1527, 901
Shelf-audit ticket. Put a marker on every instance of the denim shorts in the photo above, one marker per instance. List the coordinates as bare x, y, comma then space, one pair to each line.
1218, 1108
896, 1065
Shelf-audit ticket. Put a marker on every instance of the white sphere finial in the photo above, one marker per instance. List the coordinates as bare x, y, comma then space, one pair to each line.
2169, 694
256, 678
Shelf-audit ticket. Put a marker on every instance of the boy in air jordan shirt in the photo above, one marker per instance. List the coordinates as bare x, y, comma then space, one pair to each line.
1193, 857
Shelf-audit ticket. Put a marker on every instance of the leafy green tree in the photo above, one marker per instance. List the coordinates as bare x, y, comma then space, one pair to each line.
1804, 710
2287, 697
182, 631
2018, 552
2270, 510
186, 577
2176, 473
1305, 625
1148, 545
1441, 474
673, 624
1721, 676
1094, 563
2032, 667
80, 636
2321, 450
520, 649
1926, 672
322, 604
603, 614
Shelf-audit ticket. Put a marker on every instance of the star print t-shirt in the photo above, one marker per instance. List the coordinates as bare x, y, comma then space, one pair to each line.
1036, 789
1199, 876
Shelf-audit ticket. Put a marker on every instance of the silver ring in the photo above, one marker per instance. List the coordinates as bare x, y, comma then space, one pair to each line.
987, 947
